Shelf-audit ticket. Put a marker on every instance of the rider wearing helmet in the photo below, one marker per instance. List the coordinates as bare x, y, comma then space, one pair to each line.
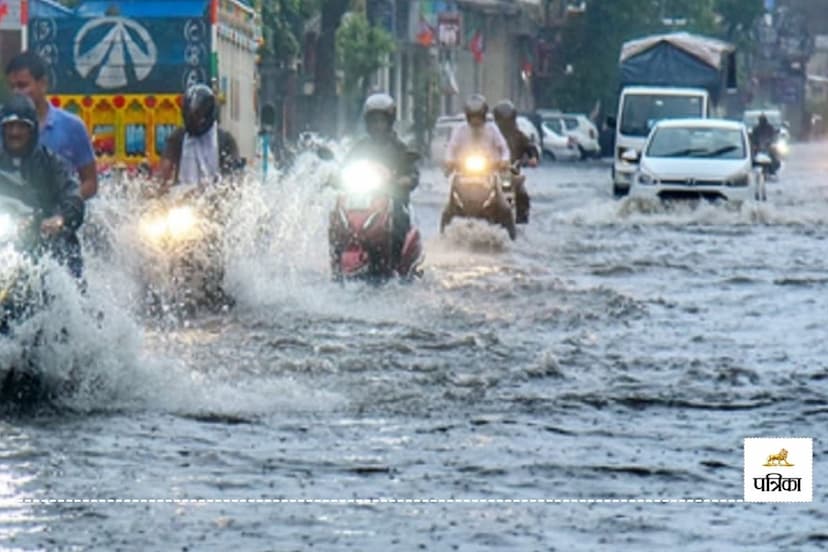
477, 132
382, 144
37, 177
762, 134
200, 151
505, 116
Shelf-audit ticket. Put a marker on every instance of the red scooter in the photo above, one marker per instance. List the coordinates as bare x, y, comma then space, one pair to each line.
362, 224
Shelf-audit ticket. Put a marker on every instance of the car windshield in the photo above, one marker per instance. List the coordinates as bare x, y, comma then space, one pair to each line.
709, 143
571, 123
642, 112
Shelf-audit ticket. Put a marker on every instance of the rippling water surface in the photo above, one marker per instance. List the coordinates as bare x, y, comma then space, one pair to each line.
613, 351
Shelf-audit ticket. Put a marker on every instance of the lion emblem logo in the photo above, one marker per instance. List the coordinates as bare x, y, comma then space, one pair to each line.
780, 459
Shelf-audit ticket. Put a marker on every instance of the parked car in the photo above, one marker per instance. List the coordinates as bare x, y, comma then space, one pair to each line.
580, 128
557, 146
697, 159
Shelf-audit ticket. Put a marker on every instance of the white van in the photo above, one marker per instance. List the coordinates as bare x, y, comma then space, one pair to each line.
639, 109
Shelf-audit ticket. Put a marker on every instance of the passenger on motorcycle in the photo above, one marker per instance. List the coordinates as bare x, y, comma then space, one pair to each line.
505, 116
37, 177
478, 134
383, 145
201, 151
763, 134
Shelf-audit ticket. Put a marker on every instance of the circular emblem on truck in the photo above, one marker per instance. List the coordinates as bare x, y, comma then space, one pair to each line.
114, 51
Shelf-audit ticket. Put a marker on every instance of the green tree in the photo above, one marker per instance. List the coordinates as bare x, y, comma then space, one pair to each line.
283, 24
362, 50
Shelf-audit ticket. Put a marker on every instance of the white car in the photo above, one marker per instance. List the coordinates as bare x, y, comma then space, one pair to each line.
556, 144
579, 128
695, 159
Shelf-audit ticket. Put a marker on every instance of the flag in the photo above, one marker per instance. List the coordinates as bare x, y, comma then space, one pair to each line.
476, 46
425, 33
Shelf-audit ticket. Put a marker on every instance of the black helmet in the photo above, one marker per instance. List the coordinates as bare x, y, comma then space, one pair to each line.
505, 111
763, 119
476, 105
21, 108
200, 109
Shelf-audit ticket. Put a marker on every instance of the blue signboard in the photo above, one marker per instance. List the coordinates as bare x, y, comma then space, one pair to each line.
135, 53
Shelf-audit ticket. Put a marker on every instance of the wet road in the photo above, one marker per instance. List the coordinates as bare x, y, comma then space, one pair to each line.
609, 353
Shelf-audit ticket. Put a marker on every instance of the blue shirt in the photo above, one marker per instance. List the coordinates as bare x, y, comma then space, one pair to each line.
65, 134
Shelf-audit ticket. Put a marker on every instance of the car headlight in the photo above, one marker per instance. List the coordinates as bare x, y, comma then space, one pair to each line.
363, 177
739, 181
475, 164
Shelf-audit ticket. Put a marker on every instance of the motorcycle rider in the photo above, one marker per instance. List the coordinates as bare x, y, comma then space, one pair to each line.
200, 151
762, 137
383, 144
762, 134
477, 132
36, 176
505, 116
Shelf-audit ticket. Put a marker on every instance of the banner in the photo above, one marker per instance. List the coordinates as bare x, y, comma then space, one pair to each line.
118, 55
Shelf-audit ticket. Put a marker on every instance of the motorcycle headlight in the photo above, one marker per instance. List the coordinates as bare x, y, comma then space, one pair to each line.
362, 177
182, 222
179, 223
782, 147
8, 228
475, 164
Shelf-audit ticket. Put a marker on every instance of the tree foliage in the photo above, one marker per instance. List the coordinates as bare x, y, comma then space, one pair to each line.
282, 24
361, 50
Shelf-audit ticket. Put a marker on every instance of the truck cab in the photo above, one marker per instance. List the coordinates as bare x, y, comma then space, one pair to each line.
639, 109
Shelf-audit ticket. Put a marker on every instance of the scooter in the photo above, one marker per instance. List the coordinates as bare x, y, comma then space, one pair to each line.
361, 226
479, 191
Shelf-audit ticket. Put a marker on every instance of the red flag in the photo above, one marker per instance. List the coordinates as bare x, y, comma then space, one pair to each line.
476, 46
425, 34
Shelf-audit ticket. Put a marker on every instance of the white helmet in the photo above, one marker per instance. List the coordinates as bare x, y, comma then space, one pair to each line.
380, 103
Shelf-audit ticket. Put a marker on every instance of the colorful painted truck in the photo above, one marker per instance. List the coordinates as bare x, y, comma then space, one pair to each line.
122, 66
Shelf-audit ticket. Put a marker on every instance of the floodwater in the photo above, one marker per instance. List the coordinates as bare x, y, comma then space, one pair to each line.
609, 353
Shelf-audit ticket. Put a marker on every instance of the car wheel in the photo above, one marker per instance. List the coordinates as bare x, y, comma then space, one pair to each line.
549, 156
584, 153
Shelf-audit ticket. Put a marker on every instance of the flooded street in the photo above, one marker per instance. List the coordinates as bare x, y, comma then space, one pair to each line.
611, 352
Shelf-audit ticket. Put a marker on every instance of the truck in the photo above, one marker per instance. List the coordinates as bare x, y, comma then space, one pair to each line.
670, 76
123, 66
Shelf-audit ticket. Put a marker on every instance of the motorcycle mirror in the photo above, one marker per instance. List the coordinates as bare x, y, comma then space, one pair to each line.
324, 153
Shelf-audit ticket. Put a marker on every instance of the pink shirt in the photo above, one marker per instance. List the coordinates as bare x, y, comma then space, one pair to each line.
489, 139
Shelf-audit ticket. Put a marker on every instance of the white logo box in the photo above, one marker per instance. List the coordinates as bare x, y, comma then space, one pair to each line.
779, 469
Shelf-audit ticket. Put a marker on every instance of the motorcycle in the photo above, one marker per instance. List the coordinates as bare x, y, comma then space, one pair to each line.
361, 226
479, 191
180, 247
19, 245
